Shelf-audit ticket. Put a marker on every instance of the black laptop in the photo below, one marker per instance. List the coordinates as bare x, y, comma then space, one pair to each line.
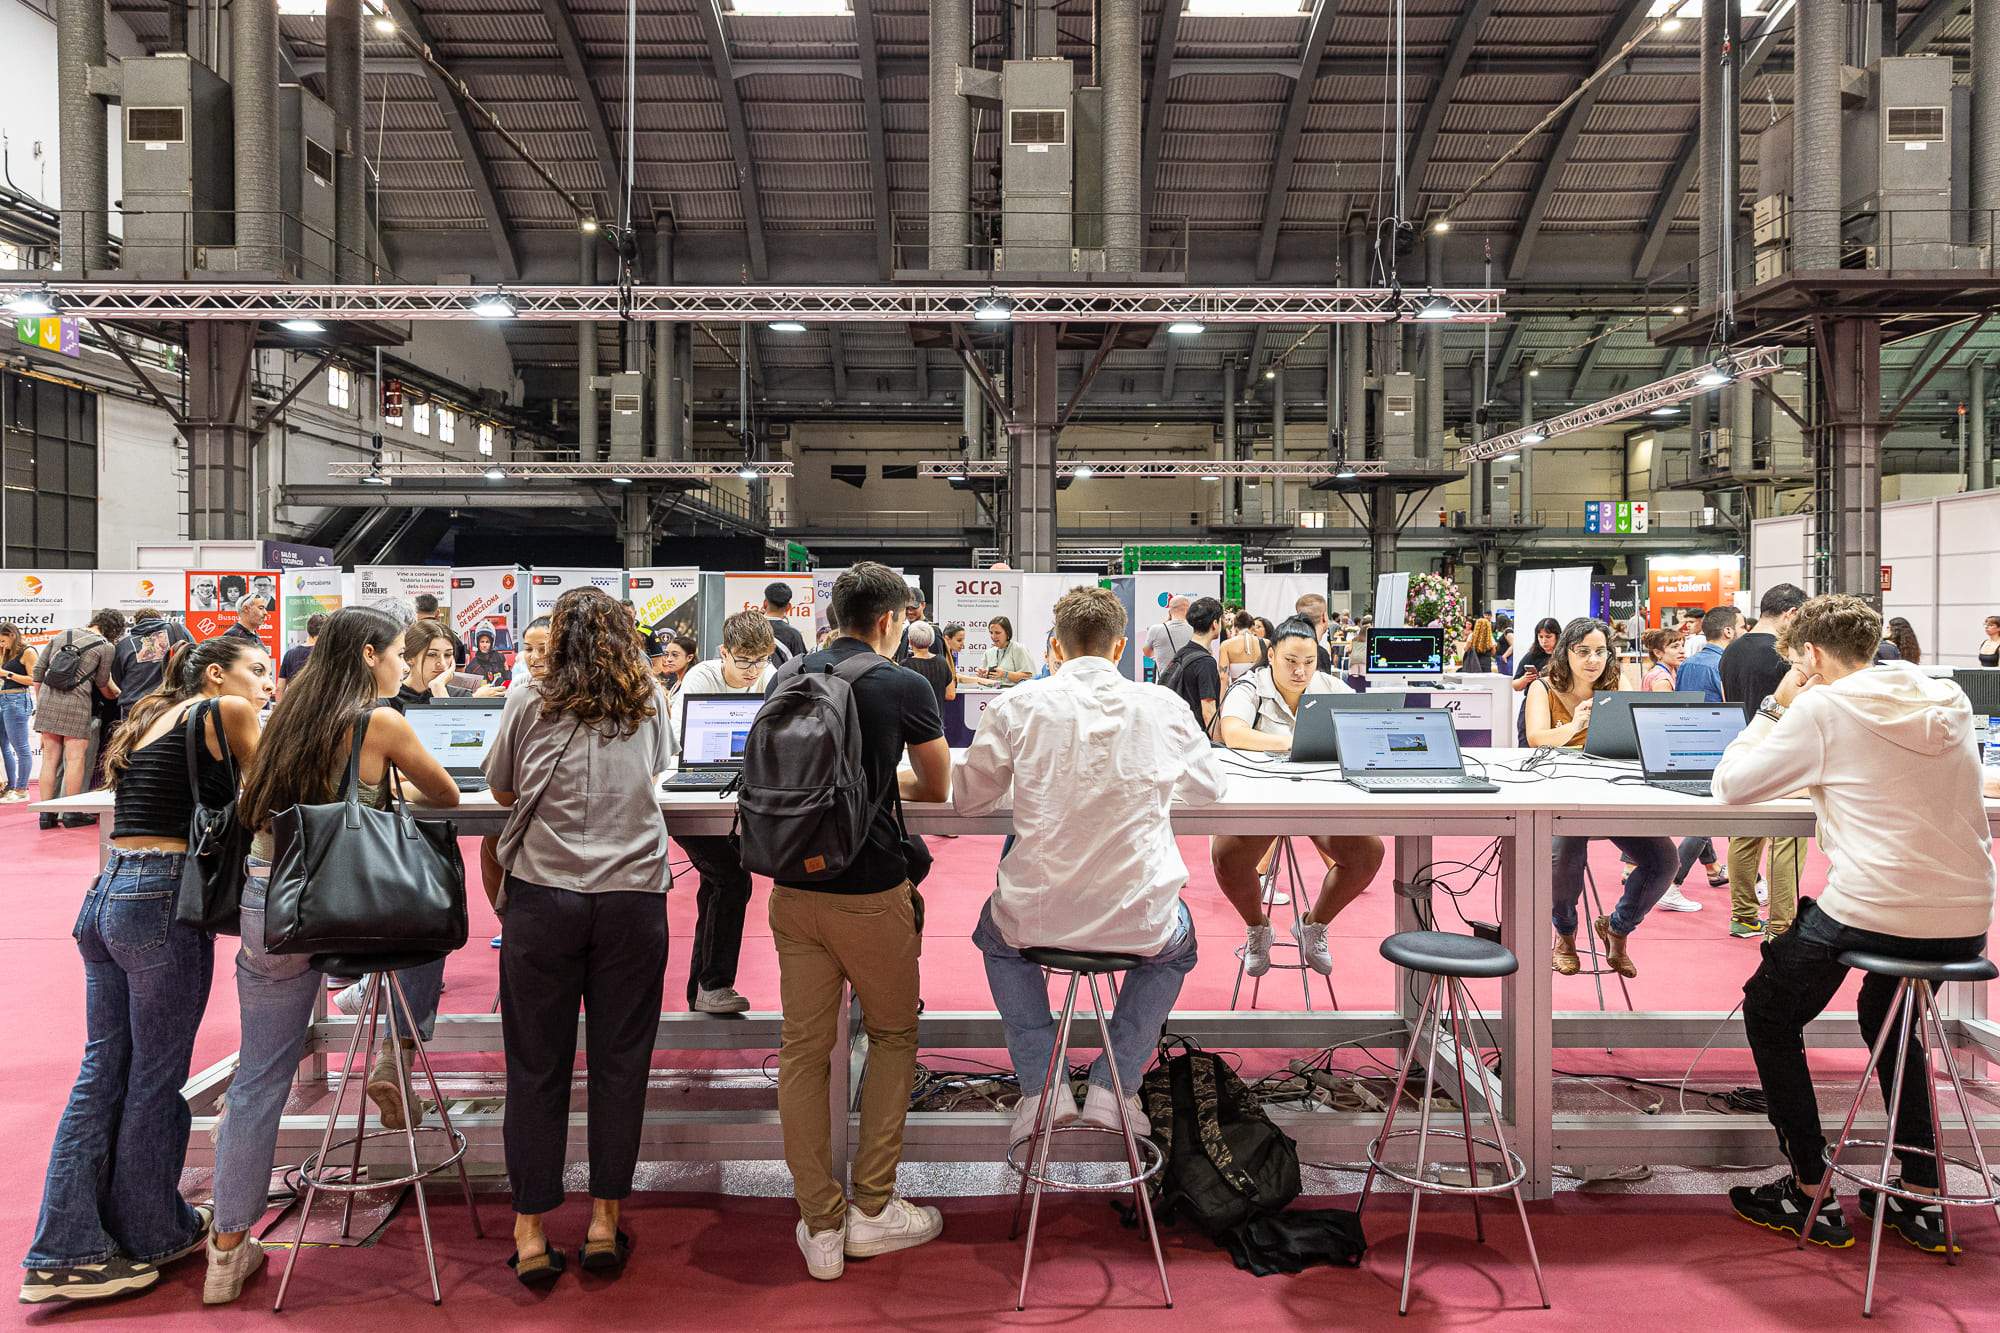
1314, 740
714, 728
1611, 719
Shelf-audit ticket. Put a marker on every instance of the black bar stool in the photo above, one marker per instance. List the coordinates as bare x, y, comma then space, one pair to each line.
1448, 960
1034, 1172
1916, 1003
384, 1005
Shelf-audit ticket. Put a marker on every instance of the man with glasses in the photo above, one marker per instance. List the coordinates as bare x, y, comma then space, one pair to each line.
744, 667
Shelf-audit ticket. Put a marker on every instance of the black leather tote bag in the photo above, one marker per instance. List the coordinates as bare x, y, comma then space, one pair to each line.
354, 881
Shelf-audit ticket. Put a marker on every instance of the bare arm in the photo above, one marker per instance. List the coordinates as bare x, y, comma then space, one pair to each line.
239, 727
1240, 735
1541, 730
929, 778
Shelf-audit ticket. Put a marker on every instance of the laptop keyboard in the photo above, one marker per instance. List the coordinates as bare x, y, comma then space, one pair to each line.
1685, 788
700, 781
1420, 783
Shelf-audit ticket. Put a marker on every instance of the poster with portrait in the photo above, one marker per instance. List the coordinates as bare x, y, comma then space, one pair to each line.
666, 601
44, 602
395, 588
308, 592
213, 595
486, 610
139, 592
545, 585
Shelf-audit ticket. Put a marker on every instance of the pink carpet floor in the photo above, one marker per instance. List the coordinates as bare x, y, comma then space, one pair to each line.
711, 1261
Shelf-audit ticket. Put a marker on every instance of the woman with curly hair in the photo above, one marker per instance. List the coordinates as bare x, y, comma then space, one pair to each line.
577, 759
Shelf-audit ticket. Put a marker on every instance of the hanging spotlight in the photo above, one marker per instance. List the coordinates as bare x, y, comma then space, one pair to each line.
34, 303
494, 305
1534, 435
621, 481
786, 326
385, 25
1677, 310
1510, 458
375, 477
495, 474
1083, 472
1717, 375
1210, 476
1437, 308
588, 224
993, 308
1534, 371
301, 326
1345, 473
1271, 374
1441, 225
1666, 411
1186, 328
749, 472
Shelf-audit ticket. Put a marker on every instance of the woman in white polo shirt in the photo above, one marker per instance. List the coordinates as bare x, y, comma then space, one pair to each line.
1258, 713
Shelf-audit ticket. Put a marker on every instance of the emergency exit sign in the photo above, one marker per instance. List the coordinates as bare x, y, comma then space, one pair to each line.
1607, 517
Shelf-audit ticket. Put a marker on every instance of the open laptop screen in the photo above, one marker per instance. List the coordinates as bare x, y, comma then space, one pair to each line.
715, 726
1684, 740
1419, 740
457, 737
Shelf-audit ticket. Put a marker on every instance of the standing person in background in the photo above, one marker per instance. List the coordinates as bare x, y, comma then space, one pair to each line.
17, 676
777, 610
1477, 654
1169, 636
744, 667
112, 1211
1905, 638
1192, 673
1007, 662
952, 644
943, 680
1664, 656
1503, 640
250, 613
63, 714
1246, 649
297, 655
1752, 667
303, 759
107, 705
1989, 647
1312, 608
585, 918
862, 929
1702, 671
1529, 669
913, 613
140, 658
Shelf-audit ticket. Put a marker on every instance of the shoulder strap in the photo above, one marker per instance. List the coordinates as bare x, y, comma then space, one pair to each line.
859, 665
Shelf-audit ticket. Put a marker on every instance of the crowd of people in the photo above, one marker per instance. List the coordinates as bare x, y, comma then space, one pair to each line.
579, 872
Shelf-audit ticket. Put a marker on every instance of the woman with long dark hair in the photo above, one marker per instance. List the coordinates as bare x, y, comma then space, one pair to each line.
577, 759
17, 705
357, 664
112, 1212
1904, 636
1557, 713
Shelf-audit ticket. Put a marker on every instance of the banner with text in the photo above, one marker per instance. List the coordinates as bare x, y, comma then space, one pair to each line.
308, 592
486, 605
667, 601
138, 591
44, 602
743, 592
395, 588
548, 584
973, 597
212, 595
1686, 587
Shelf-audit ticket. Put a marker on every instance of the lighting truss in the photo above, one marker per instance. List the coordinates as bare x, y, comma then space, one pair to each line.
439, 470
821, 305
1288, 470
1748, 364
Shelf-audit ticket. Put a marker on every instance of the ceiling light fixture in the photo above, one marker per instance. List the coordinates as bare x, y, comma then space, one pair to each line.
1271, 374
495, 474
993, 308
1186, 328
1677, 310
1534, 371
35, 302
375, 478
1534, 435
1437, 308
1083, 472
1717, 375
588, 224
1210, 476
1666, 411
494, 305
301, 326
786, 326
790, 8
621, 481
1441, 225
1511, 458
749, 472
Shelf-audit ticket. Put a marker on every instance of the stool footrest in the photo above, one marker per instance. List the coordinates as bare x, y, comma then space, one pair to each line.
1517, 1170
1150, 1157
310, 1170
1854, 1175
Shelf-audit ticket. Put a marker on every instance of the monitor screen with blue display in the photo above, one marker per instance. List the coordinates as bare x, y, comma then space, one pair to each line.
1404, 652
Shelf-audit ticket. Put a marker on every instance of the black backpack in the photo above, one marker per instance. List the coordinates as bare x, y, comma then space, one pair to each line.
1226, 1163
802, 804
1176, 672
65, 666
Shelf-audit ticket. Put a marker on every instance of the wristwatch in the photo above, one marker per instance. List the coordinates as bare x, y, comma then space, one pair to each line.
1771, 708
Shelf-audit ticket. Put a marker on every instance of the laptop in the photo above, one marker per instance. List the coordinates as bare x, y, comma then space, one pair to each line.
458, 733
1414, 750
1313, 738
714, 728
1680, 744
1611, 720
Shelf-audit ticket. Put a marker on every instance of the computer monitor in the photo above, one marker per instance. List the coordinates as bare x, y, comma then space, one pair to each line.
1982, 687
1684, 740
457, 732
714, 727
1404, 652
1418, 740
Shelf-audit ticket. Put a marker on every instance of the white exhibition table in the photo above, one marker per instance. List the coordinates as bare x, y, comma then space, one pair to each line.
1571, 795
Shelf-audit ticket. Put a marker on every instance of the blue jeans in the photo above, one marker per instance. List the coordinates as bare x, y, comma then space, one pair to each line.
1653, 861
1146, 998
113, 1184
15, 710
275, 993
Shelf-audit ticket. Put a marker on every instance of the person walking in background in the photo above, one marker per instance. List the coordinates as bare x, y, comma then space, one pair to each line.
73, 672
1529, 668
1246, 649
17, 706
296, 656
778, 610
303, 760
1663, 658
1753, 667
1192, 673
1169, 636
112, 1213
934, 669
140, 658
576, 761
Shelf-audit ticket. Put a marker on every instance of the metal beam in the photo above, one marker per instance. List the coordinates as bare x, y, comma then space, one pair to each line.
1317, 32
871, 118
1922, 30
1598, 338
1630, 17
921, 356
478, 171
1509, 349
1165, 35
1687, 159
837, 358
569, 47
716, 33
1170, 363
1463, 39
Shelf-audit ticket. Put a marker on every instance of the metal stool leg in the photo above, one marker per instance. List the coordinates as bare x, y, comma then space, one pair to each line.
404, 1073
1847, 1126
1423, 1145
370, 1021
1458, 1059
325, 1145
1045, 1114
398, 1003
1131, 1146
1520, 1205
1045, 1131
1396, 1096
1907, 996
1926, 1006
1964, 1110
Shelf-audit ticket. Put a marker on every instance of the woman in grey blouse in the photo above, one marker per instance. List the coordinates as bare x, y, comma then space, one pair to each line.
578, 754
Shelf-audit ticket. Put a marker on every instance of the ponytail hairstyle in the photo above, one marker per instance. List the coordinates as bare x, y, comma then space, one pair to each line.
1295, 627
180, 680
303, 755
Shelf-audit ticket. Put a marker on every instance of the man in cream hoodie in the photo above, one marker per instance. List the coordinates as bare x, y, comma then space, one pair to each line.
1888, 756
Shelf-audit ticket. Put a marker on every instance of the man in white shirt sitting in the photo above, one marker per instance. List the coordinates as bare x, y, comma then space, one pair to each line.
1095, 763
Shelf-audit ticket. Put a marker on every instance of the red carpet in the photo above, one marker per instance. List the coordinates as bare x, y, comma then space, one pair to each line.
1676, 1262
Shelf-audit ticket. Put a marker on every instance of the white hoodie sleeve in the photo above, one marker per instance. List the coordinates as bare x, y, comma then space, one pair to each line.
1772, 759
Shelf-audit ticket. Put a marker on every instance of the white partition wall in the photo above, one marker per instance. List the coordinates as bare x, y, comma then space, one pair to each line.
1909, 568
1968, 575
1780, 553
1275, 595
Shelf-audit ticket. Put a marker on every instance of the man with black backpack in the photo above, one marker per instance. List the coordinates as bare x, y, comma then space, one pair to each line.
820, 811
1192, 672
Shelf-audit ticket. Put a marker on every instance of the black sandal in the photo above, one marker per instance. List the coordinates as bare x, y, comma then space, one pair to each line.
607, 1256
540, 1271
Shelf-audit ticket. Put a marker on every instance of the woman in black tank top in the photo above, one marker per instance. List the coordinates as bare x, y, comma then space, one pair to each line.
17, 672
114, 1173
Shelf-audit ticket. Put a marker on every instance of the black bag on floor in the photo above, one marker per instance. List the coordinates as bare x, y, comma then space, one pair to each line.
1226, 1163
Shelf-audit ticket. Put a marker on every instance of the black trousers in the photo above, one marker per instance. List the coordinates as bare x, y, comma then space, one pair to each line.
608, 951
720, 905
1795, 982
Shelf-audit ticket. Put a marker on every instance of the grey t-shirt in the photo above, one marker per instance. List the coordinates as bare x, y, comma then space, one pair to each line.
597, 828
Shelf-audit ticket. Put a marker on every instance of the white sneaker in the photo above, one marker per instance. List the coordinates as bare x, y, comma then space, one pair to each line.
1100, 1108
1763, 892
228, 1270
901, 1225
826, 1259
1029, 1109
1673, 900
721, 1000
1311, 936
1257, 950
352, 999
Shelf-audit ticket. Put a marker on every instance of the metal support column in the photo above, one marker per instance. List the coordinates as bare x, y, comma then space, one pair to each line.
1381, 533
1430, 436
220, 429
1031, 455
586, 358
1280, 496
1848, 453
1225, 449
635, 526
1818, 42
1975, 408
253, 98
1524, 470
82, 138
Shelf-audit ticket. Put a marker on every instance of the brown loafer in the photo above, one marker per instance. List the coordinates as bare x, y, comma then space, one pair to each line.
1563, 957
1615, 956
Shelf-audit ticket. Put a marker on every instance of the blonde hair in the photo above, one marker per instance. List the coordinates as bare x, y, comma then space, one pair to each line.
1836, 623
